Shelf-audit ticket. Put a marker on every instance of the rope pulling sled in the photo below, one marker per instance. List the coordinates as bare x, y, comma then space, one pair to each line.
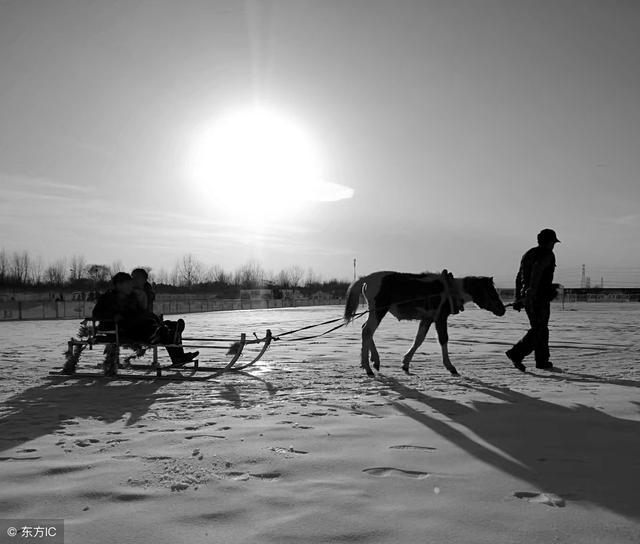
90, 336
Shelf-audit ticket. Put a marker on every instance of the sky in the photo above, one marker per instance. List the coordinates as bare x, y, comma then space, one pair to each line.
457, 129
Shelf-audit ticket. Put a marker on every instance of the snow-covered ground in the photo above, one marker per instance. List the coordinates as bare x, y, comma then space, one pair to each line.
306, 448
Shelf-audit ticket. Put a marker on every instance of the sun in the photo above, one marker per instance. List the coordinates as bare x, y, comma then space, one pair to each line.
262, 161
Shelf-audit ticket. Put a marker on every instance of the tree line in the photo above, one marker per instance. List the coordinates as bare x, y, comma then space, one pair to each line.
21, 270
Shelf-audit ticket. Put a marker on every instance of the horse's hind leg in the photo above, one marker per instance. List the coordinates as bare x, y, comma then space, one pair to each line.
375, 356
368, 329
423, 329
443, 338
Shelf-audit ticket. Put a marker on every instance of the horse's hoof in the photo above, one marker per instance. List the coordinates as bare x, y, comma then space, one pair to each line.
370, 373
405, 368
454, 372
376, 365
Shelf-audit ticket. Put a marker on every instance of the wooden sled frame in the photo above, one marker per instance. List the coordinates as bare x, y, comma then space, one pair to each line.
113, 337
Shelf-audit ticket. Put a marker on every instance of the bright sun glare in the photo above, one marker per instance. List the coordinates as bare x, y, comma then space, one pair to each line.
261, 160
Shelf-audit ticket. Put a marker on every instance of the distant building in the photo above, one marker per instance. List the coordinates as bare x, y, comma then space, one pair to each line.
597, 294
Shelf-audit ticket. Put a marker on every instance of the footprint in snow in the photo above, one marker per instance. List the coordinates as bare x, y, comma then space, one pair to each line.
244, 476
30, 458
550, 499
289, 450
240, 476
383, 472
266, 475
412, 447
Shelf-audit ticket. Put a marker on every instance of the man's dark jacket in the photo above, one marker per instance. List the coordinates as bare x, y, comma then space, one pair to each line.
542, 262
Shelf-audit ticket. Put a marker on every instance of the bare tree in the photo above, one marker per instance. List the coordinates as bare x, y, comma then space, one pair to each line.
217, 274
250, 276
312, 278
77, 267
37, 270
162, 276
174, 276
4, 266
116, 266
282, 280
99, 273
296, 274
290, 278
189, 270
20, 267
56, 273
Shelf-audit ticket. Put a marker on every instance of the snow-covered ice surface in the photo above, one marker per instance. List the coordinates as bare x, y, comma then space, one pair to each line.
306, 448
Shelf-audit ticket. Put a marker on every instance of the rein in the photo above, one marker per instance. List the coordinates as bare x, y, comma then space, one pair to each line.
449, 281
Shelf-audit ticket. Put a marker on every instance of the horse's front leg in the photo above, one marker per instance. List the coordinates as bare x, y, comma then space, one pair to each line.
443, 338
423, 329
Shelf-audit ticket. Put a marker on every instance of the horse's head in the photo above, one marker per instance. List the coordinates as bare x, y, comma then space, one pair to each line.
484, 294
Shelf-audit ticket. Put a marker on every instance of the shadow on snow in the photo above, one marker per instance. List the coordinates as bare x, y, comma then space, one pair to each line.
577, 452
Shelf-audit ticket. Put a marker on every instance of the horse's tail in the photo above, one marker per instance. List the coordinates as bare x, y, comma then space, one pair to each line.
353, 298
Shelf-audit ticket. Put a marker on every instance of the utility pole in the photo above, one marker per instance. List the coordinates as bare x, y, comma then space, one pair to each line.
354, 270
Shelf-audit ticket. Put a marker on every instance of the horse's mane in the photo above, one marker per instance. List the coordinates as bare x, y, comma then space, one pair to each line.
430, 273
480, 278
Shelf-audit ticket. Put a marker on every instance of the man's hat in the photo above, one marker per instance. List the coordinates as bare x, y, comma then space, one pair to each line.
547, 235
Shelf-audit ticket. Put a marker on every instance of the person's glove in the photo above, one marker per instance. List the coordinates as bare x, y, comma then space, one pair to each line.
530, 295
518, 305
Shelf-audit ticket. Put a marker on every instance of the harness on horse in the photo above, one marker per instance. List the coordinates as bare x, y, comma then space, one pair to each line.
450, 295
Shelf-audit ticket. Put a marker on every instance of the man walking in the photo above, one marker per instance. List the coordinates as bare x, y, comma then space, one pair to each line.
535, 291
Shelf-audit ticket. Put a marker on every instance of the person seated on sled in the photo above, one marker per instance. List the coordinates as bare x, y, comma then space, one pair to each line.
120, 305
117, 305
143, 289
171, 331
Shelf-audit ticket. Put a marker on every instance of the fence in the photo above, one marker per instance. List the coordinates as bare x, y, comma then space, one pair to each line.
601, 297
17, 310
585, 295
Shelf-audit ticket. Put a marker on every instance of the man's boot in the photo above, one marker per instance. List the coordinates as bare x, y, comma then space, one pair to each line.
517, 361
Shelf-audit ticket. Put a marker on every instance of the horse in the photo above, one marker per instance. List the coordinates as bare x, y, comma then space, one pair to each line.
427, 297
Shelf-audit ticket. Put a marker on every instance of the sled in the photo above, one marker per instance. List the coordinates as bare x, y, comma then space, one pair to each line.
90, 336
